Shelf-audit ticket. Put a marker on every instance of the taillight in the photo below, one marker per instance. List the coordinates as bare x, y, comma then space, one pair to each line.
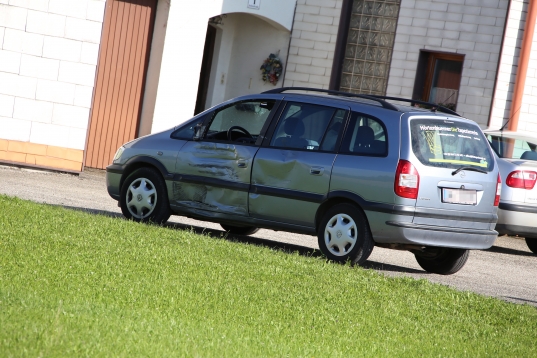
521, 179
498, 191
407, 180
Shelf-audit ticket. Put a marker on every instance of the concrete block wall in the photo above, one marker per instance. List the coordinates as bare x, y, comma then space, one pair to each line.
48, 59
470, 27
313, 41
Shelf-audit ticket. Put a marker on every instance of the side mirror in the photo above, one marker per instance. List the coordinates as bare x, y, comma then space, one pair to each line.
199, 130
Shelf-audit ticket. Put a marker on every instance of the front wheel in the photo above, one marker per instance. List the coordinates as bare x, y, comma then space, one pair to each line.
532, 244
442, 260
240, 230
144, 197
344, 234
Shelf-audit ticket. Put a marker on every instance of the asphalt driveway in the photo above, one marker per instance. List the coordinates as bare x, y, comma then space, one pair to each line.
508, 270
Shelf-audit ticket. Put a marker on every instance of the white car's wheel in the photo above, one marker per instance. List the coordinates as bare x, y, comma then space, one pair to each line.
532, 244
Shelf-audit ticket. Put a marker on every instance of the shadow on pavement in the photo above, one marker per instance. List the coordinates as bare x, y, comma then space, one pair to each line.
393, 268
522, 300
281, 246
505, 250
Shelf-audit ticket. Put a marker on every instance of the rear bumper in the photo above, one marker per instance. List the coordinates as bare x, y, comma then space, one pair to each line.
443, 236
516, 219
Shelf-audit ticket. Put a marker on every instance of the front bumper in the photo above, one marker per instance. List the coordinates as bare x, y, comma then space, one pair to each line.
113, 180
444, 236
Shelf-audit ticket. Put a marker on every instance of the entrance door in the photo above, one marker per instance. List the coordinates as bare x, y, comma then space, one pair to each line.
121, 71
213, 174
291, 176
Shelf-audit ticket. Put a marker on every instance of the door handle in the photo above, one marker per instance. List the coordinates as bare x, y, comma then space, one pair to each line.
242, 163
316, 170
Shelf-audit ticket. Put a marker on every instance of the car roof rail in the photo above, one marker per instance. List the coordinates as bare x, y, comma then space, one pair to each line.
434, 107
382, 102
380, 99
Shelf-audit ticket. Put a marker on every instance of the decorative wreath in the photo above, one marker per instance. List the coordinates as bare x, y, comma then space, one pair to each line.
271, 69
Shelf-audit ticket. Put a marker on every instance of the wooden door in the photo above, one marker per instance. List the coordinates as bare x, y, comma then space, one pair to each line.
121, 72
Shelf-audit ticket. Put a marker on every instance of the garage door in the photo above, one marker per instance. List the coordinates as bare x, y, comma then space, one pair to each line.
121, 72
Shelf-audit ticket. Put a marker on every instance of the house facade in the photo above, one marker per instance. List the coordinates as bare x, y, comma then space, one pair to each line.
80, 77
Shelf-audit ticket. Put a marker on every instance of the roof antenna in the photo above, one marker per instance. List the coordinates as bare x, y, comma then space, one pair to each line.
501, 129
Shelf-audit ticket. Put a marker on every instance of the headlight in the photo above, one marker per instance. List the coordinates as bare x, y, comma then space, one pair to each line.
117, 157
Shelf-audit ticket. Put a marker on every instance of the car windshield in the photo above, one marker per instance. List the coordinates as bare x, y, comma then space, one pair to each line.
449, 144
513, 148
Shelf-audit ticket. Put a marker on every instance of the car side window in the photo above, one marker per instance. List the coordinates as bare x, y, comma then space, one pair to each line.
241, 121
304, 126
365, 136
187, 131
512, 148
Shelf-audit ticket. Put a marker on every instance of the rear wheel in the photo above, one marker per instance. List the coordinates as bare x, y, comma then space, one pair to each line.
144, 197
532, 244
344, 234
240, 230
442, 260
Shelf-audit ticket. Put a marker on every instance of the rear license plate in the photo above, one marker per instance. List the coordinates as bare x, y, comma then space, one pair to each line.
459, 196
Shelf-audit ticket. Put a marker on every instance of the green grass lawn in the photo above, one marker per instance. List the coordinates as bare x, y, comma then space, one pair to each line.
76, 284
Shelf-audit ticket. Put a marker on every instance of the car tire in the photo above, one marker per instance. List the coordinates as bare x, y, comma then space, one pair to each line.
344, 235
240, 230
532, 244
442, 260
144, 197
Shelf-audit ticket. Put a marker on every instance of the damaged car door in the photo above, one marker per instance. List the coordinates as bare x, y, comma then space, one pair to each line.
291, 173
213, 172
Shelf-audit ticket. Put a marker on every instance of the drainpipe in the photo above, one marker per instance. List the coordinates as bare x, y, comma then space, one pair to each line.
523, 60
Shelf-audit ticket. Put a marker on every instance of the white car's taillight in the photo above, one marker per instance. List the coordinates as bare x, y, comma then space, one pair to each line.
498, 191
407, 180
521, 179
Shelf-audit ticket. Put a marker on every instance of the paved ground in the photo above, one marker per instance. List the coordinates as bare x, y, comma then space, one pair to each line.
508, 270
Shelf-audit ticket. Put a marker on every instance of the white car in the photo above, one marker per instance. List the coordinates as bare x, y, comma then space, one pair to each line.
517, 160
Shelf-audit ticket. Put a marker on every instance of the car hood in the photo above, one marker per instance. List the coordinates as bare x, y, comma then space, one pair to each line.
149, 138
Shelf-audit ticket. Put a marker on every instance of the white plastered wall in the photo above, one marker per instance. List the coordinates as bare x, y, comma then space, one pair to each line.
243, 43
508, 70
183, 51
48, 58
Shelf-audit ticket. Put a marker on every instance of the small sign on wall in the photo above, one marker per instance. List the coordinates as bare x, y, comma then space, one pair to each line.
254, 4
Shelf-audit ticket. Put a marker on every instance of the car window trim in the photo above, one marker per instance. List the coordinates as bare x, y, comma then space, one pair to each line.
346, 128
283, 106
210, 118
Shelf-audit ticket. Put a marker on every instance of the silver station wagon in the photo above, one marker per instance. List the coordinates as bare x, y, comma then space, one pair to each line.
354, 170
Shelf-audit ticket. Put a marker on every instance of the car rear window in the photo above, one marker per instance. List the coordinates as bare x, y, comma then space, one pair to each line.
449, 144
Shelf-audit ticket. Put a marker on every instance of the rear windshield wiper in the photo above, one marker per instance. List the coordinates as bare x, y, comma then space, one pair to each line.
469, 168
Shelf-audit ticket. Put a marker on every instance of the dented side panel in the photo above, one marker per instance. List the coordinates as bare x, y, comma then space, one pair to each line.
288, 185
213, 176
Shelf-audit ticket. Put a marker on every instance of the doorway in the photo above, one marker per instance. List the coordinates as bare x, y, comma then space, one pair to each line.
205, 73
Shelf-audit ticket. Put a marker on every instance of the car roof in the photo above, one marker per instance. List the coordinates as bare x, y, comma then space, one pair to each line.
512, 134
367, 99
